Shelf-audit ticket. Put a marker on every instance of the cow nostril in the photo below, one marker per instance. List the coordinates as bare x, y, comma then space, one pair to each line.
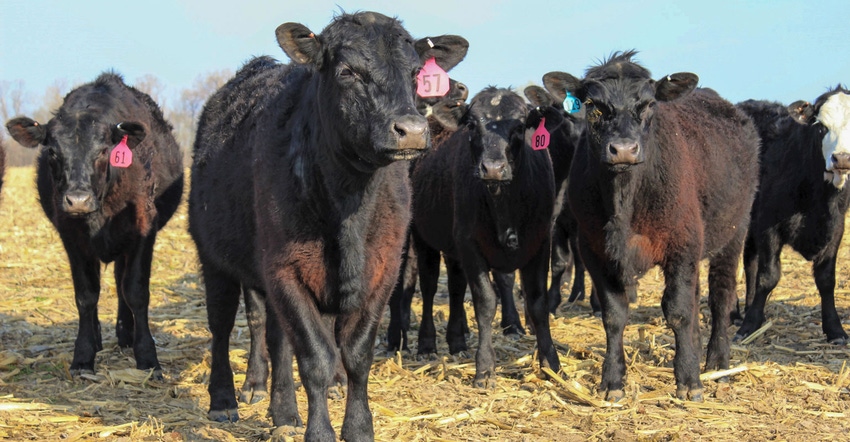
400, 131
612, 149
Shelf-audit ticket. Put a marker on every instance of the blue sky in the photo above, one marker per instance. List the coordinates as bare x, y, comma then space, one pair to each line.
778, 50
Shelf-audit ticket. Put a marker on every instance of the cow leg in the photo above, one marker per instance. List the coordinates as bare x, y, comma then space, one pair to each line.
562, 263
222, 296
457, 327
428, 260
533, 278
769, 272
283, 407
401, 299
679, 304
824, 272
254, 388
751, 267
356, 337
722, 300
504, 285
578, 290
125, 323
136, 290
484, 300
85, 274
315, 347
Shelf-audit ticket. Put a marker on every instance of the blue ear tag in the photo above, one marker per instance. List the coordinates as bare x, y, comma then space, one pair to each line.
572, 104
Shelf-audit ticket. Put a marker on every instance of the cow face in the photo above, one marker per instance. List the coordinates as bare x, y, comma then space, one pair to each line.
495, 123
366, 66
830, 117
620, 100
76, 146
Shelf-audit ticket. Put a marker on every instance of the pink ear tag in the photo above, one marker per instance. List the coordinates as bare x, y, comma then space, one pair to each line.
121, 156
540, 139
432, 80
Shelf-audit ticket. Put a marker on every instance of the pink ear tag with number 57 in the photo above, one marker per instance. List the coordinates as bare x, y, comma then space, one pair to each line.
432, 80
121, 156
540, 139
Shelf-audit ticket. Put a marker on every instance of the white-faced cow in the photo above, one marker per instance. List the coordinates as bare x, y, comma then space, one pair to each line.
109, 176
802, 199
667, 177
298, 193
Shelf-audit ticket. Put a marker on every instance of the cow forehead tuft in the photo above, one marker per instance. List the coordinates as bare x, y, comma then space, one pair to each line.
835, 112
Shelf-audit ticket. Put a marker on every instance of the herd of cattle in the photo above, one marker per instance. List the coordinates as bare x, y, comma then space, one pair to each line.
321, 190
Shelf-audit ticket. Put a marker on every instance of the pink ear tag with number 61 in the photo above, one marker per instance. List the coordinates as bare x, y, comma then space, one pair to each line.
540, 139
121, 156
432, 80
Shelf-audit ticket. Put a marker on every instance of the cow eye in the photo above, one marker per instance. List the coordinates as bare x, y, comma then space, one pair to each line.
347, 74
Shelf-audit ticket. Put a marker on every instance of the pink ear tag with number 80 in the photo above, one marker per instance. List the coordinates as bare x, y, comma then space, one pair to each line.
540, 139
121, 156
432, 80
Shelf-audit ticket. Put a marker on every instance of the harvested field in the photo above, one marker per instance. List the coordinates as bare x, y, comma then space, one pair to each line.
792, 385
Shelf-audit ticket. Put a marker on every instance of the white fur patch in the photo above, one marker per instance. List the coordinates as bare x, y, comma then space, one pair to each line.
835, 116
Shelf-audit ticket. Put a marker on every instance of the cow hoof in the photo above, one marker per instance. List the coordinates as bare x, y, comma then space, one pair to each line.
223, 415
841, 340
484, 382
157, 375
427, 356
76, 372
251, 396
336, 393
738, 337
287, 432
463, 354
694, 395
614, 395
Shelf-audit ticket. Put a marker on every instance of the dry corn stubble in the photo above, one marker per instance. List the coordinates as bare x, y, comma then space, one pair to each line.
790, 384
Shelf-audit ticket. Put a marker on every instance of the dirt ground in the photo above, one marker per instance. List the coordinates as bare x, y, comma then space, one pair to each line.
792, 385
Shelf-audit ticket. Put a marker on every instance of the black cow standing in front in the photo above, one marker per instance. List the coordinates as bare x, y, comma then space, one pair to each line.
801, 201
667, 178
486, 200
298, 193
107, 213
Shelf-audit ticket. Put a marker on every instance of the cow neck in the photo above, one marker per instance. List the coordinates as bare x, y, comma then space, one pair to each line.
502, 206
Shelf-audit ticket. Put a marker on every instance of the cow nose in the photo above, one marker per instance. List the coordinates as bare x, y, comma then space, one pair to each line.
412, 133
623, 152
841, 161
493, 170
79, 202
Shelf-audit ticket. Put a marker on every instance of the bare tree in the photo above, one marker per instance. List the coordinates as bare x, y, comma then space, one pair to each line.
152, 86
184, 117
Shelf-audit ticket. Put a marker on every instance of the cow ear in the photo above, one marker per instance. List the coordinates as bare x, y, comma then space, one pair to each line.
801, 111
449, 114
559, 83
675, 86
538, 97
299, 43
134, 131
447, 50
26, 131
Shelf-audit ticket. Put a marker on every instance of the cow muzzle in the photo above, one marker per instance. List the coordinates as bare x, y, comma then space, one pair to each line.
79, 203
411, 133
623, 153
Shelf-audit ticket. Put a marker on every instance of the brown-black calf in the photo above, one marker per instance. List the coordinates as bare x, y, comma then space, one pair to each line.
667, 177
105, 212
